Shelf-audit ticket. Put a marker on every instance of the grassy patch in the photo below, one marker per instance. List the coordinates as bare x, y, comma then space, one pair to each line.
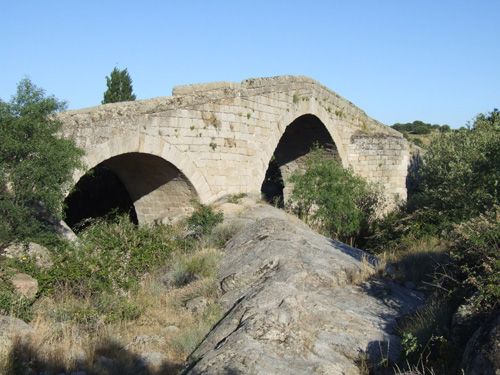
105, 297
191, 267
235, 198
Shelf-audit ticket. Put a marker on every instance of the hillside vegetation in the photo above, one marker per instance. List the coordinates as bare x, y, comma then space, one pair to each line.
444, 240
421, 133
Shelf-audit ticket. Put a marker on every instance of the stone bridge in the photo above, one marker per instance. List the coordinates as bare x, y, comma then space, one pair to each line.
211, 140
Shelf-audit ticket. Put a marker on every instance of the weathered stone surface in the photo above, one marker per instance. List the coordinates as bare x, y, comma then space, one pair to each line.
25, 285
39, 253
216, 139
482, 353
290, 307
65, 231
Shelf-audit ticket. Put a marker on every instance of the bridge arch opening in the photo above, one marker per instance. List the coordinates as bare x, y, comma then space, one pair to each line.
299, 138
146, 187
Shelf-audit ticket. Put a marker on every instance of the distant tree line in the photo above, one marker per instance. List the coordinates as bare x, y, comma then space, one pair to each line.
420, 127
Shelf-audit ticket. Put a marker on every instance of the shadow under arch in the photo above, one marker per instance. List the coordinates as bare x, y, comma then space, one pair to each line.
145, 186
299, 138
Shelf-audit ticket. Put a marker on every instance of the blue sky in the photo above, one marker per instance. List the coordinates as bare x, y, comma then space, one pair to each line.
436, 61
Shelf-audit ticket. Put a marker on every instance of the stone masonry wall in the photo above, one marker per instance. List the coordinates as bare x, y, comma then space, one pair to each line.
221, 136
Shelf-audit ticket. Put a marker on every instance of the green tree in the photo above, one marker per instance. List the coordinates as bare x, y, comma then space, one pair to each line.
460, 176
36, 165
119, 86
332, 198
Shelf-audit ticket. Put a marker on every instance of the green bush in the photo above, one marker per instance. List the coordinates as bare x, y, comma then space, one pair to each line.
203, 220
460, 176
456, 200
108, 261
332, 198
110, 257
475, 250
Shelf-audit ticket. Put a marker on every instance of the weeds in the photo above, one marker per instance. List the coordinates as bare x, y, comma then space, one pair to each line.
103, 294
188, 268
235, 198
203, 220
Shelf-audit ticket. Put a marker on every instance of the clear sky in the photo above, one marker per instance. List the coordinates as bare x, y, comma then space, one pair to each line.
437, 61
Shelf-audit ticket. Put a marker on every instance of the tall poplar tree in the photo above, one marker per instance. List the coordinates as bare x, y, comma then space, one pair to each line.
119, 87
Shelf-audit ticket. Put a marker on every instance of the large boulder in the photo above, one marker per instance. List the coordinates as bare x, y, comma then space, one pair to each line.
482, 352
292, 307
39, 253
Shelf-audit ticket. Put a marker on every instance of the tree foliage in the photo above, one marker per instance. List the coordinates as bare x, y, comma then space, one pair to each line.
36, 165
119, 86
475, 249
420, 127
460, 176
332, 198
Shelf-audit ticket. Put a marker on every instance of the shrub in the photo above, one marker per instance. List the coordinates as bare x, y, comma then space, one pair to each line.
460, 177
110, 257
475, 250
332, 198
203, 220
90, 312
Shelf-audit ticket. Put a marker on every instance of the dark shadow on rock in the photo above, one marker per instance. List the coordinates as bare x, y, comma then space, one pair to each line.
381, 355
108, 358
354, 252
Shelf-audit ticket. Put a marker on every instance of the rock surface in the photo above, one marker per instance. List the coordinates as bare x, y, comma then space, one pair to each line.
291, 308
39, 253
482, 353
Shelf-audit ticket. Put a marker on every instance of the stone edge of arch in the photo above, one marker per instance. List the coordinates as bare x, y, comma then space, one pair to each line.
149, 145
289, 117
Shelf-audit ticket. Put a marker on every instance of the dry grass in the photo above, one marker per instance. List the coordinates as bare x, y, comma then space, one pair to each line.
417, 260
367, 269
63, 341
414, 370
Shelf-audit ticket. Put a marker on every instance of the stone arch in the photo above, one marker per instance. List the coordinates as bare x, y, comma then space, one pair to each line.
160, 181
147, 186
294, 143
333, 125
146, 144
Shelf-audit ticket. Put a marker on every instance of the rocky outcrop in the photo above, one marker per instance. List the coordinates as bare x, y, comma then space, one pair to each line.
482, 353
40, 254
292, 307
